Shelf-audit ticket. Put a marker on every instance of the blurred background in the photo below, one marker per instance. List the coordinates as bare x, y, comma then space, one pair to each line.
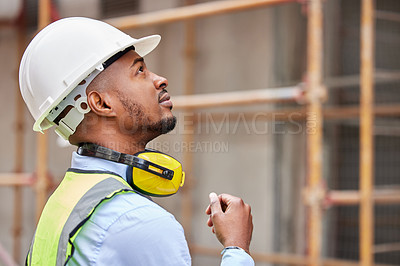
269, 109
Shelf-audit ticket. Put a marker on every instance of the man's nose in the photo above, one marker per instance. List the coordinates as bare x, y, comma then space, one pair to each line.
160, 82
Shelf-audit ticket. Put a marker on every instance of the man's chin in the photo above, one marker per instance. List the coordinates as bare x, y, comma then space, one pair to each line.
168, 124
163, 126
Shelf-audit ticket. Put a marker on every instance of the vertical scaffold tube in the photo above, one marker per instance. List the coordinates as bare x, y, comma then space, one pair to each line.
314, 129
366, 133
41, 168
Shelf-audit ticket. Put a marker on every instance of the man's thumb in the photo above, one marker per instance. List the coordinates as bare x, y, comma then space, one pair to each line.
214, 203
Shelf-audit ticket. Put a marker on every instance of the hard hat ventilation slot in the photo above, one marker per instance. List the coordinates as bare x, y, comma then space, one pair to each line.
84, 106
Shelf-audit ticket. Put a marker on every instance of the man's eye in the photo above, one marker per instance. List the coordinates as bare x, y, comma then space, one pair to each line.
140, 69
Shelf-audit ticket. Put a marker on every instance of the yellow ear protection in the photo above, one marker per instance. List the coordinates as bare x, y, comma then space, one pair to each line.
151, 172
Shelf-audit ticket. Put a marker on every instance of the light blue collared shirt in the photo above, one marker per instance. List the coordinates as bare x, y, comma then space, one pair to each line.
130, 229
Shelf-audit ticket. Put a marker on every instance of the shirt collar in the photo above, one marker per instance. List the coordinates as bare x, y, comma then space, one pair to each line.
96, 164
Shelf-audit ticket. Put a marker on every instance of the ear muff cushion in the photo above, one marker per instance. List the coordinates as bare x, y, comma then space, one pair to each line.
155, 185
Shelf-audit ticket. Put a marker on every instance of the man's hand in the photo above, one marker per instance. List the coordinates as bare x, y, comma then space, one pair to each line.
231, 220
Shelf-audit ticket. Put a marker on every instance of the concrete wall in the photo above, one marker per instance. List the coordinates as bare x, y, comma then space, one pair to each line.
243, 51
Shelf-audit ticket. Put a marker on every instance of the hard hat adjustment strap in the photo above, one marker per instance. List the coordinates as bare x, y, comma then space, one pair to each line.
69, 123
76, 98
118, 55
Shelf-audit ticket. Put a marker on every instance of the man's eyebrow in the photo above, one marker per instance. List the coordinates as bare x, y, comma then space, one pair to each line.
138, 59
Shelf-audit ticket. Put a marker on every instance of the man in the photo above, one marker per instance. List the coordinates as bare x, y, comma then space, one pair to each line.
90, 81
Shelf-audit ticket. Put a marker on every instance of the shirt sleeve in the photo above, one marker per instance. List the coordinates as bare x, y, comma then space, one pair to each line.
236, 257
155, 241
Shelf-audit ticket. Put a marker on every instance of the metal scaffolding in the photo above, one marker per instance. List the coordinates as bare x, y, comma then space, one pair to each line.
313, 112
366, 133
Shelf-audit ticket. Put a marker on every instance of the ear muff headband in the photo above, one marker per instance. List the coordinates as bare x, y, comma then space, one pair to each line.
153, 173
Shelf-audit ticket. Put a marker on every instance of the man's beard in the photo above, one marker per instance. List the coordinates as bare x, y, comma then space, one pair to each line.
137, 114
163, 126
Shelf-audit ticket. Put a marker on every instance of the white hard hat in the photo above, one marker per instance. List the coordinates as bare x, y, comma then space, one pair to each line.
62, 60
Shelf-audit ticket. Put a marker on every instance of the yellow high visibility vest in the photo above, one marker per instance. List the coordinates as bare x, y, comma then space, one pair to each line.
66, 211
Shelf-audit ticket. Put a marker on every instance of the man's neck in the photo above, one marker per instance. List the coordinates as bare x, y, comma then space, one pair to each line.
112, 138
123, 146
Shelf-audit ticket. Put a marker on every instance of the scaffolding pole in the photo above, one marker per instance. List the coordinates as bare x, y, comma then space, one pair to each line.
295, 114
284, 94
187, 190
381, 77
16, 179
41, 168
366, 133
353, 197
189, 12
314, 130
19, 151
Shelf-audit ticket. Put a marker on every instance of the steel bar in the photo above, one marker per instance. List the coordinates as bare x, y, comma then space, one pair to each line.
366, 133
387, 247
353, 197
314, 128
388, 131
16, 179
352, 112
41, 168
386, 196
285, 94
271, 94
189, 12
381, 76
291, 114
387, 15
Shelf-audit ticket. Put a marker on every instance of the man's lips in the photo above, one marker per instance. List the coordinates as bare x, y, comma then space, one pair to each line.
164, 97
164, 100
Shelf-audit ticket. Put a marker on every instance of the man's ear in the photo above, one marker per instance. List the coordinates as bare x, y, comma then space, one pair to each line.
100, 104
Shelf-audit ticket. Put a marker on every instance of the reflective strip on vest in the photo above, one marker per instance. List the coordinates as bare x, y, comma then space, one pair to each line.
67, 209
